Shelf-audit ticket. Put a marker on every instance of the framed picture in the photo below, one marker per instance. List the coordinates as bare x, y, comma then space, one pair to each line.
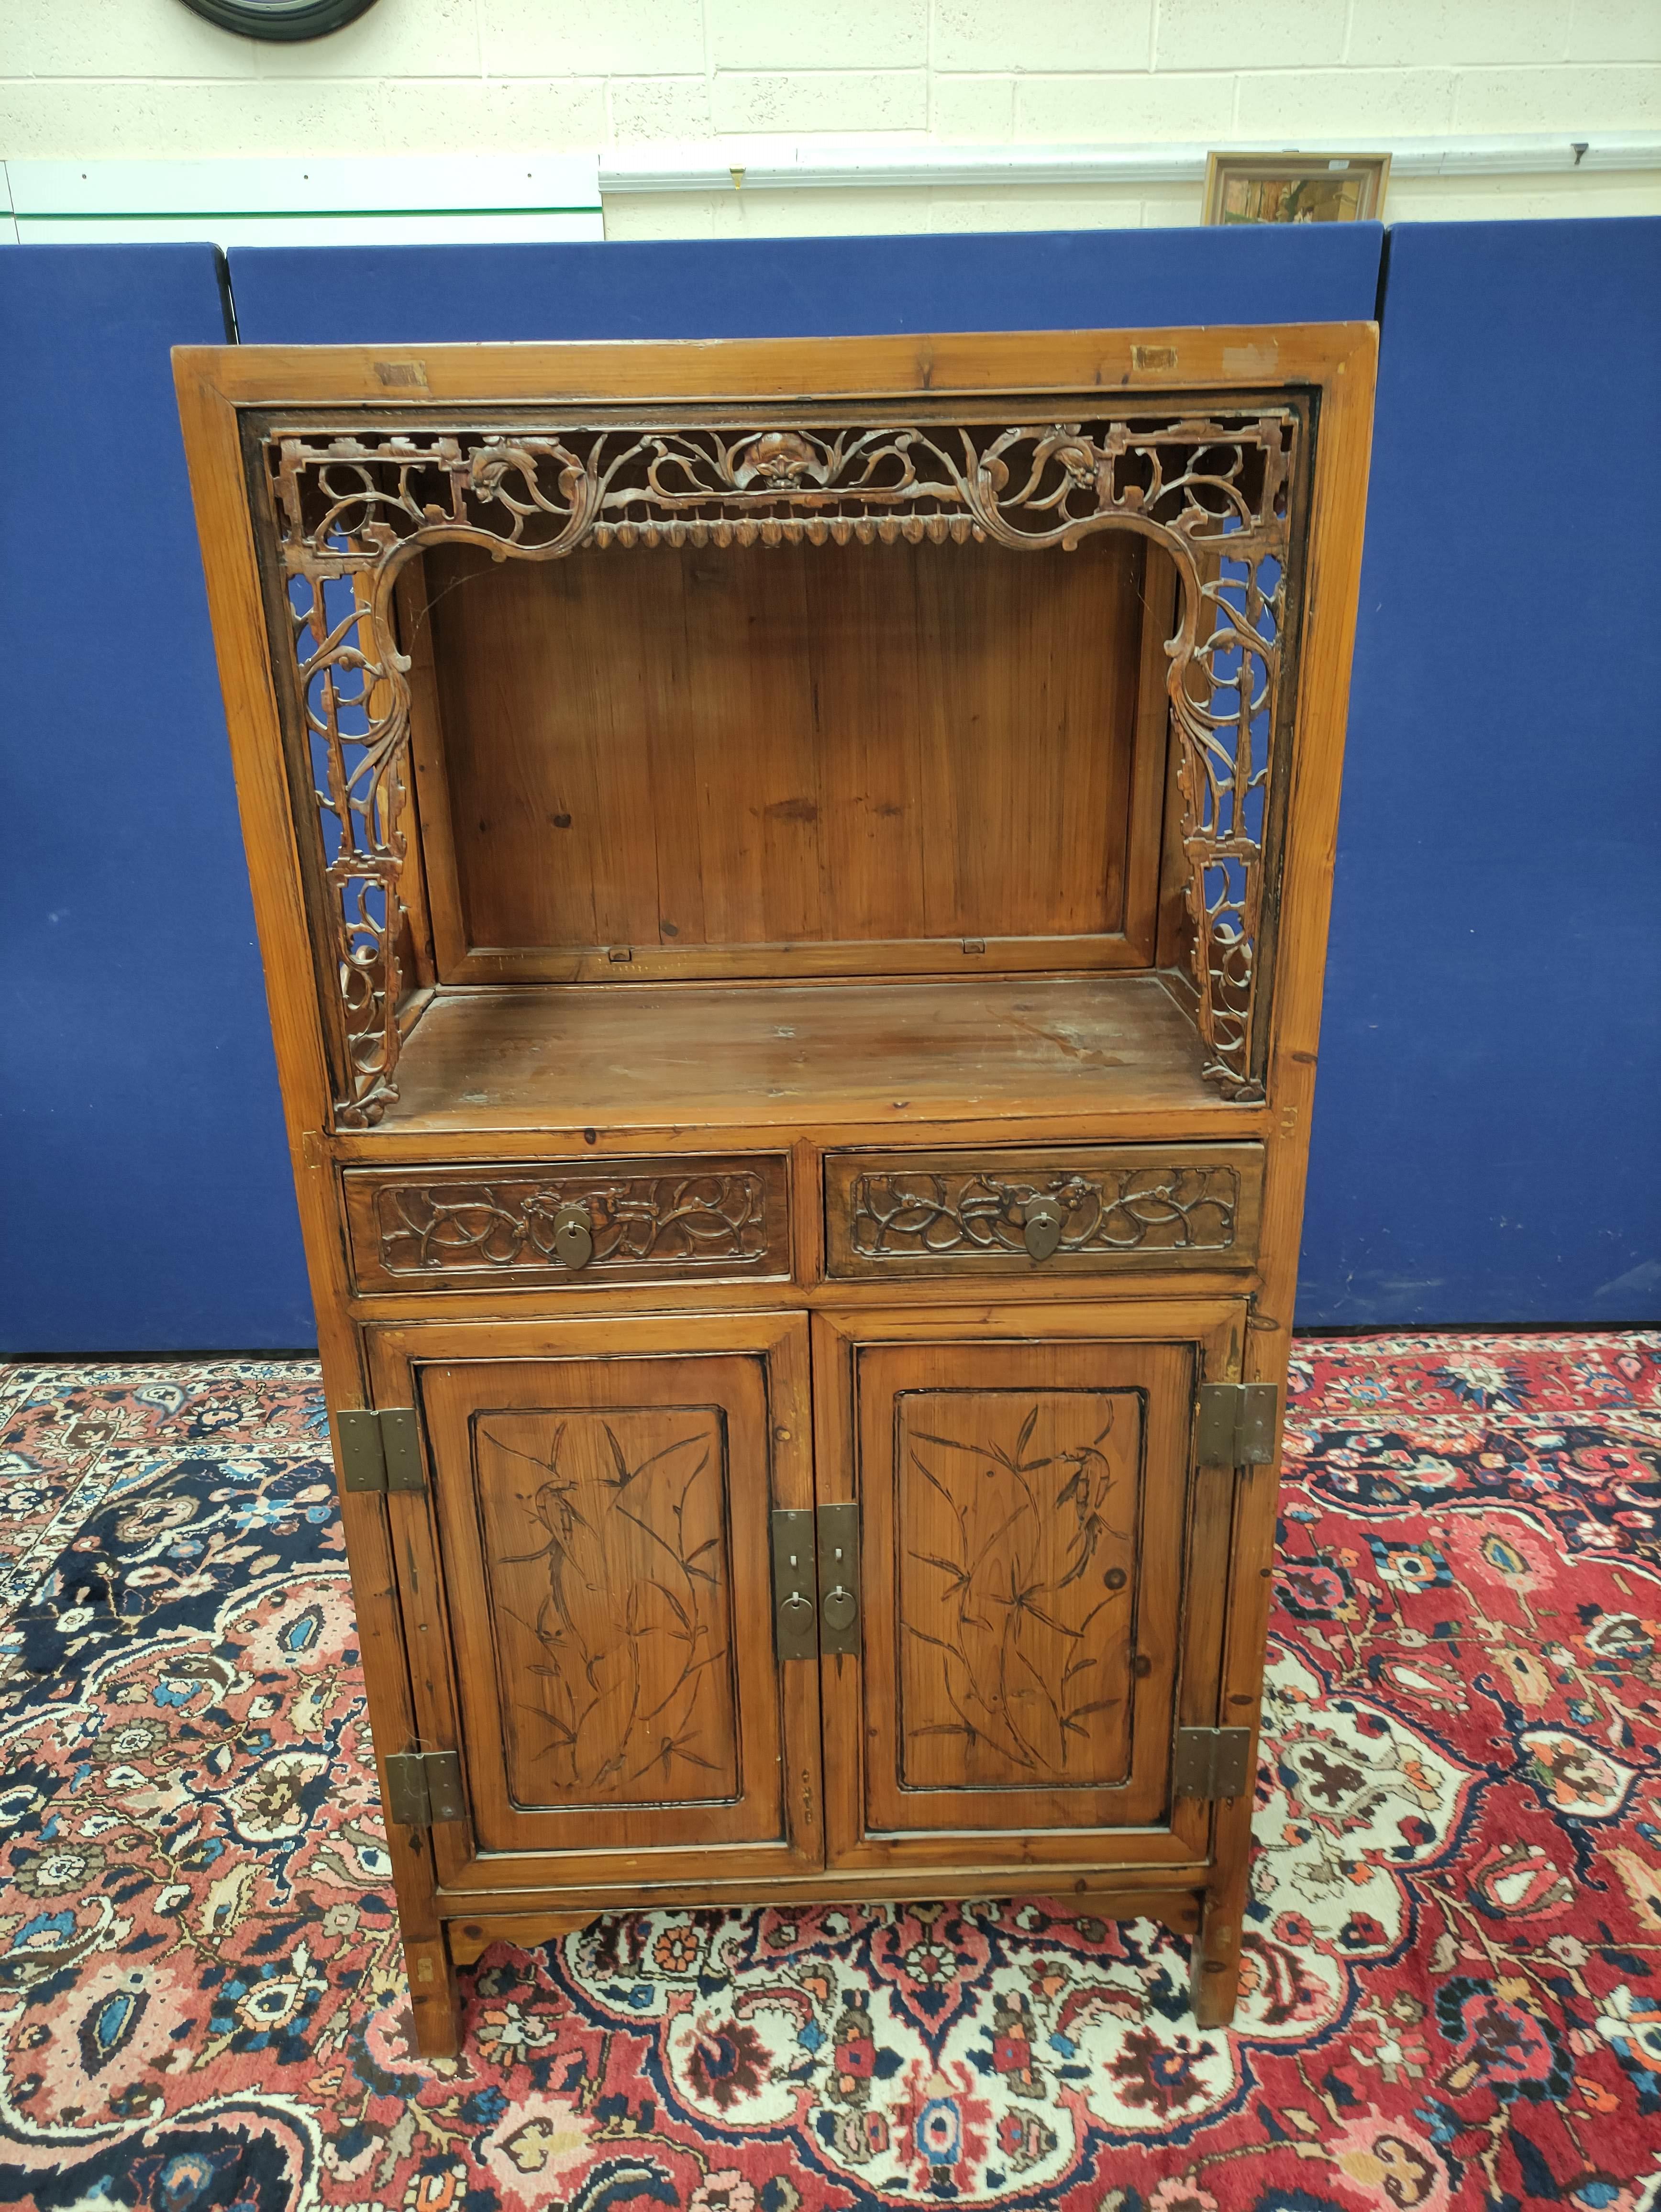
1295, 187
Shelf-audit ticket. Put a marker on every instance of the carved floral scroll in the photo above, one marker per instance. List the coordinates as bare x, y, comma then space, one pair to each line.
919, 1214
1214, 489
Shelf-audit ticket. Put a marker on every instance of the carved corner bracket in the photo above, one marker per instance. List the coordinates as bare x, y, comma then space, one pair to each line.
1214, 489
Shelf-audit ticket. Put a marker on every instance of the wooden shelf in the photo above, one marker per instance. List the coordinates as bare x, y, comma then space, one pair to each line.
775, 1056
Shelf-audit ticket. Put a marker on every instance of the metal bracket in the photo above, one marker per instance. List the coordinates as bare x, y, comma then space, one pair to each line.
795, 1616
839, 1579
423, 1788
1211, 1762
1236, 1424
379, 1450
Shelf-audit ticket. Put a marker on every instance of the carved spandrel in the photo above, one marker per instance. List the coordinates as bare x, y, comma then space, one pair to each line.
1109, 1210
1015, 1537
607, 1556
1214, 489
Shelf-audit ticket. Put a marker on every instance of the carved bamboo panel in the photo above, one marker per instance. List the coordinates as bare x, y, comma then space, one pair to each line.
1023, 1510
600, 1503
1014, 1524
607, 1549
1136, 1206
675, 1219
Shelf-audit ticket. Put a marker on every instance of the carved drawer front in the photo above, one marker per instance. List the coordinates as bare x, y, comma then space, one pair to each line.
533, 1223
1066, 1210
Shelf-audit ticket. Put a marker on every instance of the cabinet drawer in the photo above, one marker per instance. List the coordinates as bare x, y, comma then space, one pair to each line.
527, 1224
1086, 1210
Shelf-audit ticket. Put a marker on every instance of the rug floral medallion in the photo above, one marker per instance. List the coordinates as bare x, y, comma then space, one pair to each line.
1453, 1985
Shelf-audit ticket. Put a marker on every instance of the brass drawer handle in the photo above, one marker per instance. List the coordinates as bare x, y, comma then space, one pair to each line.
574, 1234
1041, 1230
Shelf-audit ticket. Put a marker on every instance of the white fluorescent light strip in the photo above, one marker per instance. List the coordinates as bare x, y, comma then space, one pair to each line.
774, 166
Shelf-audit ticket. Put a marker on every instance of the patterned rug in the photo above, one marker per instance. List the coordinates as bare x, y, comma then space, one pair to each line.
1454, 1981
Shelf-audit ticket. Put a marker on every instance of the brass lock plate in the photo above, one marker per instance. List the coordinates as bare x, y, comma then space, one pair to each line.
795, 1613
839, 1579
1041, 1226
574, 1235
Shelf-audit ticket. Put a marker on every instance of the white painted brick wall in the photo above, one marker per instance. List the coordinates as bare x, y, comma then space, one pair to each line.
147, 79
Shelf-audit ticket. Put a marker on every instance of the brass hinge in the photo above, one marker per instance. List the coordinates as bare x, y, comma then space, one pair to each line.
816, 1581
1211, 1762
1236, 1424
423, 1788
379, 1450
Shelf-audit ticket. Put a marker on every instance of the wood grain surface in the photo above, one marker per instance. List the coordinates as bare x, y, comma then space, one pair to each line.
774, 749
647, 1056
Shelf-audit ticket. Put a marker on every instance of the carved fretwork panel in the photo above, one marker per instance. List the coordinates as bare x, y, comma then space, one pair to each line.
1217, 489
357, 733
607, 1552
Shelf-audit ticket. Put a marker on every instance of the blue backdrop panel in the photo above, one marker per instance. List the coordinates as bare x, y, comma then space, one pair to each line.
145, 1200
1485, 1116
1489, 1100
804, 287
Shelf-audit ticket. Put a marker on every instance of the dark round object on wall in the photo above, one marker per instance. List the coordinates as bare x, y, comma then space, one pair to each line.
281, 19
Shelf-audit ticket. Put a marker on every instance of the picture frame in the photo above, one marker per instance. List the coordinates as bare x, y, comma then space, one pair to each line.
1294, 187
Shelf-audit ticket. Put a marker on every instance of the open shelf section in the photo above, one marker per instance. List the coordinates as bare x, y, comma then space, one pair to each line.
774, 1056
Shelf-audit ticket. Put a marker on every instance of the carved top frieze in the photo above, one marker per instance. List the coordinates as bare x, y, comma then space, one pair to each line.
1210, 480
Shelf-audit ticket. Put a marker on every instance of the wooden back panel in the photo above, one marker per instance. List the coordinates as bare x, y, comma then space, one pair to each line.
802, 758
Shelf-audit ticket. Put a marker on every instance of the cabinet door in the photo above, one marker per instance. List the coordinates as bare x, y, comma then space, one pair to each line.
587, 1591
1043, 1578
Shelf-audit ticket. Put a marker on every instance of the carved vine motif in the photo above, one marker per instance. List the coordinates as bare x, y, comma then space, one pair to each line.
1010, 1563
359, 760
681, 1220
1167, 1208
1214, 489
629, 1637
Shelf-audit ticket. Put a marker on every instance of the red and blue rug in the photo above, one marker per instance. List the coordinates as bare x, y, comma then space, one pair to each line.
1453, 1990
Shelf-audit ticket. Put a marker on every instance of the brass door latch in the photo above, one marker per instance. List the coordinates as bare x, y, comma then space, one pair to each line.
816, 1581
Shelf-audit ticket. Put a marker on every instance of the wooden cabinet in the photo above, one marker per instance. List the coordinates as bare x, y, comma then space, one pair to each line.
793, 881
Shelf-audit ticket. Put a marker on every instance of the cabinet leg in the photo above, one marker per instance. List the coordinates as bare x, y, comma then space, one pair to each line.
434, 1996
1215, 1977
